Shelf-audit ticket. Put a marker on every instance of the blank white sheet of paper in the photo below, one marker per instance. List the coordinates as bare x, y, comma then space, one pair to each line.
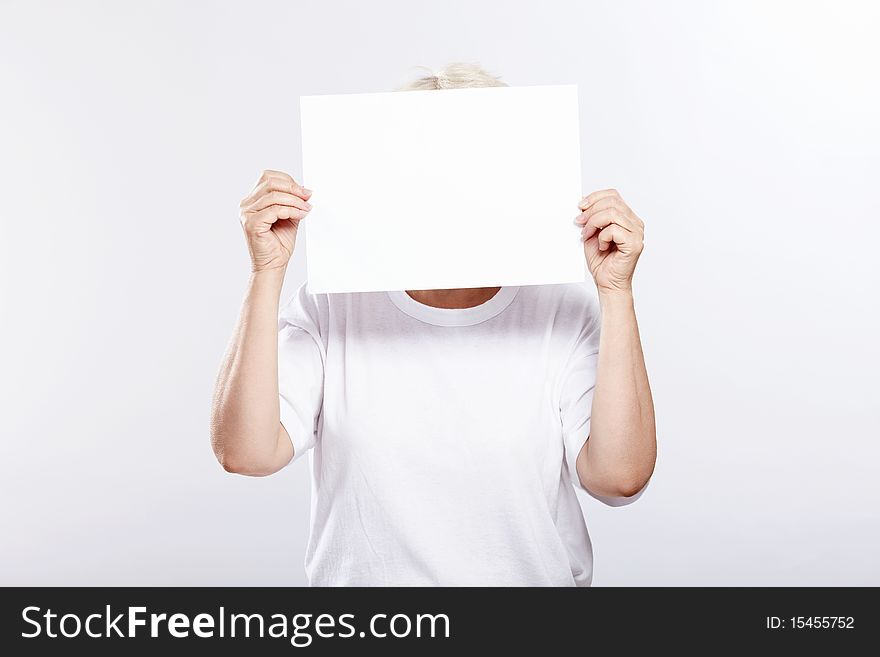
454, 188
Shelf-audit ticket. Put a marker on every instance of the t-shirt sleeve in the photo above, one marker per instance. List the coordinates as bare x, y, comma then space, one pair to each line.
576, 391
301, 356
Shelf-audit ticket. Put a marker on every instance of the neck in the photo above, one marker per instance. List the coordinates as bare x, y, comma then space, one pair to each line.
466, 297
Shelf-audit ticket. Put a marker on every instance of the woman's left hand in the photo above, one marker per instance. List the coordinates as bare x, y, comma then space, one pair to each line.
613, 239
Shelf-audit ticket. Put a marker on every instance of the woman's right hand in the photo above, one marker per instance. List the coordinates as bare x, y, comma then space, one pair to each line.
270, 216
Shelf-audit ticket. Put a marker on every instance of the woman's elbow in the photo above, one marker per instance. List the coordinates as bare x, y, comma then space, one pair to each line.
620, 484
245, 464
244, 467
237, 460
619, 487
629, 487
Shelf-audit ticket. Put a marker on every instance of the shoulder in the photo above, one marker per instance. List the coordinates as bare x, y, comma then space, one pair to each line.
569, 312
578, 302
304, 309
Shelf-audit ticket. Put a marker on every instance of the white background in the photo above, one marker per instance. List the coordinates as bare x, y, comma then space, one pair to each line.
744, 133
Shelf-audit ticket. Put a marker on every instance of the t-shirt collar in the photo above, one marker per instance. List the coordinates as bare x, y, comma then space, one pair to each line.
454, 316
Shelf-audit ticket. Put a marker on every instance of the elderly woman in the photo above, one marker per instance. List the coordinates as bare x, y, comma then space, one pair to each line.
448, 428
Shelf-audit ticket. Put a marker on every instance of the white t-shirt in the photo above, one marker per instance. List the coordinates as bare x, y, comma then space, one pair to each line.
443, 441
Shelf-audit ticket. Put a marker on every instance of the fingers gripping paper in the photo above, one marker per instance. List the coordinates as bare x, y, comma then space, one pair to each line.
442, 189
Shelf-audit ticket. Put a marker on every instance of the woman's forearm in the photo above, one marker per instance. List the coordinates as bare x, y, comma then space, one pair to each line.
618, 459
246, 431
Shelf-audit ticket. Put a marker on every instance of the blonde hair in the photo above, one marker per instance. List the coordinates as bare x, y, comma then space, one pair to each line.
459, 75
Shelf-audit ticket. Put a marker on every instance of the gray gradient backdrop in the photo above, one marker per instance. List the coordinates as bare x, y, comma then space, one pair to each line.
745, 134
